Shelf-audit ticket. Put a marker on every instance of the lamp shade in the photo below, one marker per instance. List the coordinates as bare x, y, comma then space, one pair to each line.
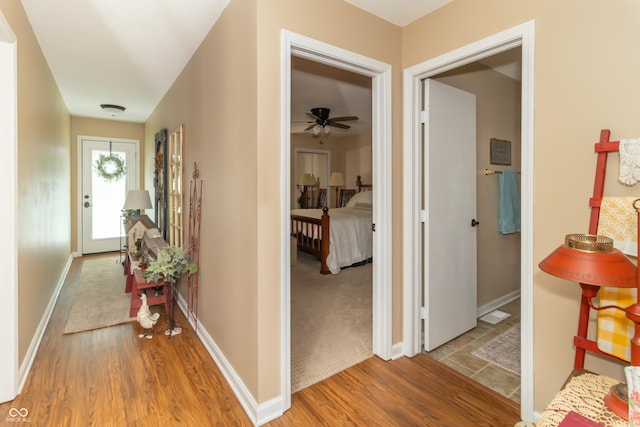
592, 260
137, 199
336, 179
306, 179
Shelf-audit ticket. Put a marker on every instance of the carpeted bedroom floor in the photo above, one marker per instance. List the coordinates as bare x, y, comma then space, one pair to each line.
331, 320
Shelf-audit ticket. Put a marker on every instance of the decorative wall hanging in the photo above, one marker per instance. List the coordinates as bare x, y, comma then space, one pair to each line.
159, 180
500, 152
110, 168
195, 211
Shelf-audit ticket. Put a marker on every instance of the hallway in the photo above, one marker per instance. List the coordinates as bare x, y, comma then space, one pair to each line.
111, 377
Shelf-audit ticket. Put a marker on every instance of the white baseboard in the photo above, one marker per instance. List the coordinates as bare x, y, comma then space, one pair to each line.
25, 367
258, 413
397, 351
497, 303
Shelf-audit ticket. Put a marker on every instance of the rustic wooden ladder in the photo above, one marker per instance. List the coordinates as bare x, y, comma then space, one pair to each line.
582, 343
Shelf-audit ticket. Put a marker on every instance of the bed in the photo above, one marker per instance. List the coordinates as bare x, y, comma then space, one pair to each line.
339, 238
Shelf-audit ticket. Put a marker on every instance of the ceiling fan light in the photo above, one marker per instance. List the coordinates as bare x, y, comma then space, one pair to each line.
112, 109
326, 130
316, 130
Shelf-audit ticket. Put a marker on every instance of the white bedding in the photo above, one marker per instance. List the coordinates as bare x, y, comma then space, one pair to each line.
350, 235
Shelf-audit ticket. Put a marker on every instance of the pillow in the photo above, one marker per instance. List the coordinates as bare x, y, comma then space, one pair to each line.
362, 197
363, 205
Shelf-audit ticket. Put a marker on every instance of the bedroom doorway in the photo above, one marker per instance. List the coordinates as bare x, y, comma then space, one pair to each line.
294, 45
520, 36
331, 314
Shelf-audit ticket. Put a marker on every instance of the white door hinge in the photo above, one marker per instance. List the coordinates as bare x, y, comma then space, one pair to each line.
423, 216
424, 117
423, 313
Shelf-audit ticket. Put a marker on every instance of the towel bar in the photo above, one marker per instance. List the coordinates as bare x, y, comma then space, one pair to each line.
491, 172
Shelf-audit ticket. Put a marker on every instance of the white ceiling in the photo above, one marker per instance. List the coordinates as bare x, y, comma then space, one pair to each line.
399, 12
119, 52
129, 53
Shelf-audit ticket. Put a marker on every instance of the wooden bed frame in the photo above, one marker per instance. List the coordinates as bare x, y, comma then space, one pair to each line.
306, 231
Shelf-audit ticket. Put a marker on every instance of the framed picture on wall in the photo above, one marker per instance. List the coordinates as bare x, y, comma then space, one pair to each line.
500, 152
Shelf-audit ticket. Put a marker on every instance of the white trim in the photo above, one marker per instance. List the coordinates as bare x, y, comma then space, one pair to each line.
259, 414
9, 387
380, 73
521, 35
32, 351
79, 177
497, 303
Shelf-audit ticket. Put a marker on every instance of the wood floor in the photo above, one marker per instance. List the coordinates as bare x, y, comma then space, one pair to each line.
110, 377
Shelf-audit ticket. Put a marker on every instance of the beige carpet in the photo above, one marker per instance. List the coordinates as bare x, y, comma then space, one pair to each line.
503, 350
331, 320
99, 300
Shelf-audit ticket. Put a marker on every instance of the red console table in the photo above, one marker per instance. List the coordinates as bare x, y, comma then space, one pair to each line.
136, 283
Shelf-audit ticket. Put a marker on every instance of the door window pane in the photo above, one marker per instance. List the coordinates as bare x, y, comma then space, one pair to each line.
108, 199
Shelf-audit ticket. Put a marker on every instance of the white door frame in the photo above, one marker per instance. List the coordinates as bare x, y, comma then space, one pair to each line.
9, 387
79, 200
522, 35
380, 73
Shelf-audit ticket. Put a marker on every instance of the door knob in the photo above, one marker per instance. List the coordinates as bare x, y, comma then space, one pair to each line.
475, 223
87, 204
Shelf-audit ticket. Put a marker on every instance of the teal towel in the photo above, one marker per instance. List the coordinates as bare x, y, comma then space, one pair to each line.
509, 209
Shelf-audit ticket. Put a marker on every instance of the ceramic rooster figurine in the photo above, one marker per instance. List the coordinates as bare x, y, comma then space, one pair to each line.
145, 318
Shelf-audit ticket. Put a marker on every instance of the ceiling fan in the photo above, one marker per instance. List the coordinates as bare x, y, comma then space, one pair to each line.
321, 119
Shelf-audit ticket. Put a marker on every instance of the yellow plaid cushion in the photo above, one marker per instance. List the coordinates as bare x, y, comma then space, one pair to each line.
618, 220
614, 329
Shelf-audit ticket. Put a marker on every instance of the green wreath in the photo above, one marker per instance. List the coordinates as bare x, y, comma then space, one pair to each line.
110, 168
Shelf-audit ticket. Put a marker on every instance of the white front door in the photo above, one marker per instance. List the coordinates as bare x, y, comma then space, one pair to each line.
103, 194
450, 271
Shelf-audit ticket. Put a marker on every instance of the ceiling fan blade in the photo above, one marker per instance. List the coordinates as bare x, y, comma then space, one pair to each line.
310, 127
343, 119
313, 116
338, 125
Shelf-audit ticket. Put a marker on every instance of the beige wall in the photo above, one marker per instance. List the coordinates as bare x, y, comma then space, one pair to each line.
43, 179
585, 80
84, 126
215, 98
497, 116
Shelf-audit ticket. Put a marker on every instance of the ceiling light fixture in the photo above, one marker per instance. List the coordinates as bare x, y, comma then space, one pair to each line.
111, 109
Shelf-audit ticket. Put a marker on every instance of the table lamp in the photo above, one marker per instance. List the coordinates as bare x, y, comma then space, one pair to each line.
592, 261
336, 180
136, 200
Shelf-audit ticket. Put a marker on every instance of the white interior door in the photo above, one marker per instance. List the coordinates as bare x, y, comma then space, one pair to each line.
102, 199
449, 243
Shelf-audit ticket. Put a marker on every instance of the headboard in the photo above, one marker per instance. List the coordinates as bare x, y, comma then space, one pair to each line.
361, 186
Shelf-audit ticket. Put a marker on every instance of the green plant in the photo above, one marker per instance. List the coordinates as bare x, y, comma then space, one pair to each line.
171, 263
126, 214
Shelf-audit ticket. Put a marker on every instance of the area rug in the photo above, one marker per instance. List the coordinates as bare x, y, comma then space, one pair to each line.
99, 300
331, 320
503, 350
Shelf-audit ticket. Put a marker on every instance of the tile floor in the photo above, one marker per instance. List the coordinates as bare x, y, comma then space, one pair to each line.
457, 354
